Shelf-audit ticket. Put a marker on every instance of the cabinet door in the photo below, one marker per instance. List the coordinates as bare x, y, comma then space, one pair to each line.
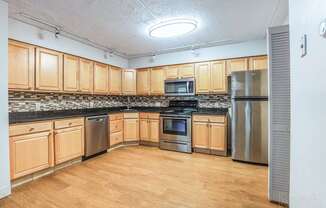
157, 80
115, 80
131, 130
86, 76
69, 144
30, 153
186, 71
48, 70
143, 82
20, 66
154, 129
258, 63
217, 136
101, 78
129, 82
203, 77
200, 135
116, 138
70, 73
171, 72
237, 65
144, 130
218, 78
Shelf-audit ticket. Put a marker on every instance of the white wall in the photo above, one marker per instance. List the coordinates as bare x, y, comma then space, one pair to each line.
250, 48
4, 138
27, 33
308, 119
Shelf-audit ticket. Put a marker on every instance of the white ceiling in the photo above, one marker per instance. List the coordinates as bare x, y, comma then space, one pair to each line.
122, 24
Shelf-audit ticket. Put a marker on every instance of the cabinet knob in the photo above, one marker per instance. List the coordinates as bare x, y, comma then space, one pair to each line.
70, 124
31, 129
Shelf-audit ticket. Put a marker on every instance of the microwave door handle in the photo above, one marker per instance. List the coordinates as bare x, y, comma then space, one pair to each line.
188, 89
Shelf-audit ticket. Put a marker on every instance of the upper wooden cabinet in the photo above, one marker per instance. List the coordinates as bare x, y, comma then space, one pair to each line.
115, 80
203, 77
48, 70
240, 64
86, 76
258, 63
171, 72
20, 65
218, 78
70, 73
180, 71
186, 71
143, 81
211, 77
129, 82
101, 78
157, 80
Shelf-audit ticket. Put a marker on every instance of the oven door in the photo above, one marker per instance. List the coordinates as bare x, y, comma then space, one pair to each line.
179, 87
175, 128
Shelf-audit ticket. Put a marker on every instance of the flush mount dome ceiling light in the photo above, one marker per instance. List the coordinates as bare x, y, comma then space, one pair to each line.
172, 28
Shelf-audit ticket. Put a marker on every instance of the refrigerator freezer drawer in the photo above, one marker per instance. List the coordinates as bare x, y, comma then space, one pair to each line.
250, 131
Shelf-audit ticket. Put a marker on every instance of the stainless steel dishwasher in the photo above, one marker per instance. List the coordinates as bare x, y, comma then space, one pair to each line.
96, 135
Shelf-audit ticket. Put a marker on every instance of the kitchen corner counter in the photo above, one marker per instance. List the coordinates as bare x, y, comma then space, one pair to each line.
211, 111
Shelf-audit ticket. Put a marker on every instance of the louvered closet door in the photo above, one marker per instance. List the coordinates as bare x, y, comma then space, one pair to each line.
279, 111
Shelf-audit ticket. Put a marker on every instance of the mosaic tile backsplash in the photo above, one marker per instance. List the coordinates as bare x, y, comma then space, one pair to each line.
32, 101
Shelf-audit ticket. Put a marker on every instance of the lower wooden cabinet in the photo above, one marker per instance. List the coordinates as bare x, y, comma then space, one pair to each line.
130, 127
68, 139
116, 129
31, 148
149, 125
210, 134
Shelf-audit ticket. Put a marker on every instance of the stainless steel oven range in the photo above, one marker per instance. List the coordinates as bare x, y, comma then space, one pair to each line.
175, 126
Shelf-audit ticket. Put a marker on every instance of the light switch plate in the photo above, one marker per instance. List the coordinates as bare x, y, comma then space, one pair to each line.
303, 45
322, 29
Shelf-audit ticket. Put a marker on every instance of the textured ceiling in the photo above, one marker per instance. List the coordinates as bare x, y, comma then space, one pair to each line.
122, 24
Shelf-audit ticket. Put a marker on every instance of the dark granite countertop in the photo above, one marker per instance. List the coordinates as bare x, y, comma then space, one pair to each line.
22, 117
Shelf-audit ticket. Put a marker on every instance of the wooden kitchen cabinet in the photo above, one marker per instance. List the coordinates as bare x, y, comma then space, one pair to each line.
180, 71
129, 86
115, 80
186, 71
21, 63
157, 78
149, 127
101, 78
131, 127
240, 64
203, 77
210, 134
70, 73
218, 77
68, 139
49, 70
116, 129
171, 72
31, 148
258, 63
143, 81
86, 76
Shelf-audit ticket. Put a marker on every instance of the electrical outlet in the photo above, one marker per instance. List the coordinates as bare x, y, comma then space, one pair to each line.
303, 45
38, 106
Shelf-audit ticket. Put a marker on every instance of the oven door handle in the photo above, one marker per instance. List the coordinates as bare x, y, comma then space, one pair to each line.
175, 117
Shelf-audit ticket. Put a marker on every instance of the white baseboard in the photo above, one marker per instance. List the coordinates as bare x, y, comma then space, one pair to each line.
5, 191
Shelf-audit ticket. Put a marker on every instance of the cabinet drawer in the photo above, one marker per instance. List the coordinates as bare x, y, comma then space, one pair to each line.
116, 116
154, 116
116, 126
116, 138
59, 124
19, 129
130, 115
143, 115
208, 118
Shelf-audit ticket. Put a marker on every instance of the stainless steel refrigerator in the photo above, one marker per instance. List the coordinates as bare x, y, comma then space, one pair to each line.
249, 93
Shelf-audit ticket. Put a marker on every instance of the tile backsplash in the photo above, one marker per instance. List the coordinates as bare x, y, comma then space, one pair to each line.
35, 101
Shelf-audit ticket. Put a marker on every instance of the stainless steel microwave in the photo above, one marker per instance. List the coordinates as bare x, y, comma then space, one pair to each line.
179, 87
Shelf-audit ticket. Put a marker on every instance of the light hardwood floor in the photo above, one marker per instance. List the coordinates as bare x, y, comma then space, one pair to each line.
139, 177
